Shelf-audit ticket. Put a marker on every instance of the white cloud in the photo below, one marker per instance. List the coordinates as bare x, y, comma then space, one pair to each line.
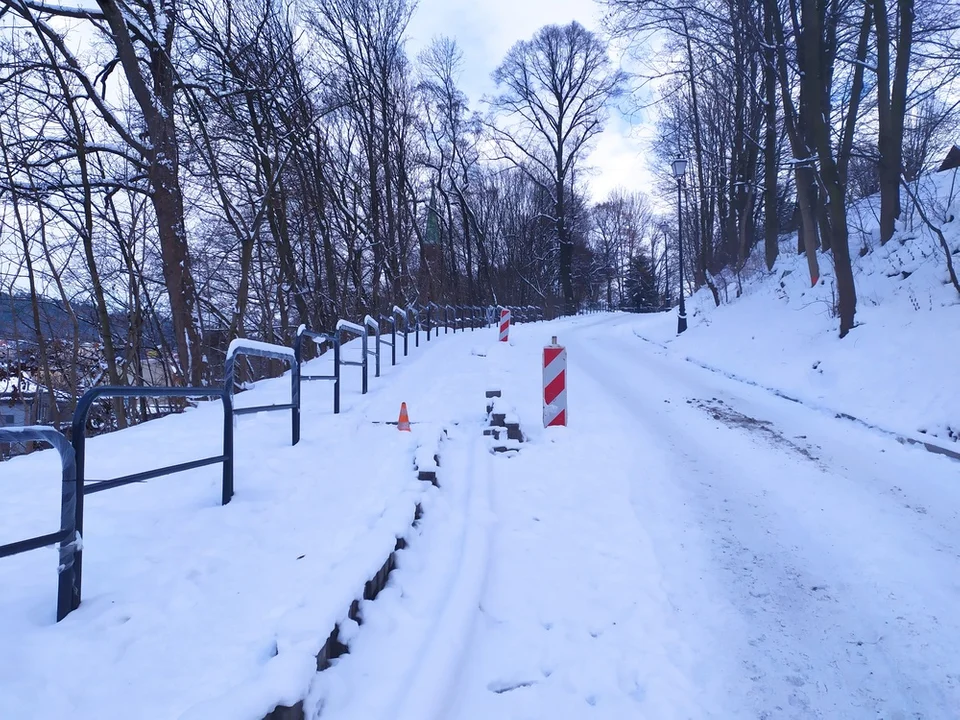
485, 30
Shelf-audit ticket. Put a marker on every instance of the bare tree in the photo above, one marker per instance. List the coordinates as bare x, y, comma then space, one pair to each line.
142, 36
553, 92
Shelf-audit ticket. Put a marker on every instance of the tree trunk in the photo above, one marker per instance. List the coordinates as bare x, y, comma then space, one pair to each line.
891, 107
812, 69
770, 225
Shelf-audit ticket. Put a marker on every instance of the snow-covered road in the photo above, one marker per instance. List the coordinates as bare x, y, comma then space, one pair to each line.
689, 547
693, 547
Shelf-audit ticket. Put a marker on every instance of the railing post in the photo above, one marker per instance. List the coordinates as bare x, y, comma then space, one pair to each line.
78, 440
369, 322
336, 376
68, 594
295, 392
393, 336
429, 310
297, 359
68, 583
416, 316
226, 485
364, 386
401, 314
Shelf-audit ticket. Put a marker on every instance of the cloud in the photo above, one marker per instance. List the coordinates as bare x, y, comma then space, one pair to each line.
486, 29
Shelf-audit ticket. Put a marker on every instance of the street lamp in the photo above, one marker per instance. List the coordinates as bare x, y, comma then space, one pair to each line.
679, 166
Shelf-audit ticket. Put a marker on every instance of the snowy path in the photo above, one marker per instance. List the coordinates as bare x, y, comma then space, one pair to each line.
691, 547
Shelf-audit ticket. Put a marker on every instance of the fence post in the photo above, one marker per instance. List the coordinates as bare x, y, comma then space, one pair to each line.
364, 390
416, 316
336, 374
295, 401
361, 332
226, 484
77, 427
401, 314
369, 322
393, 336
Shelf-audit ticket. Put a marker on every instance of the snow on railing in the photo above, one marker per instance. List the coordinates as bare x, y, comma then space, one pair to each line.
68, 593
73, 454
320, 338
361, 331
401, 313
371, 324
256, 348
413, 310
392, 342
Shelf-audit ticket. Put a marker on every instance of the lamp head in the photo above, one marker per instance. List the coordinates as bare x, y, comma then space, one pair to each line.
679, 167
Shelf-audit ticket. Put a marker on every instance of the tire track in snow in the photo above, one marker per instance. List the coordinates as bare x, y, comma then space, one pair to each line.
830, 634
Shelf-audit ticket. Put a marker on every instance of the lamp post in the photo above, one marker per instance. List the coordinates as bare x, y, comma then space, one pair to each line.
679, 166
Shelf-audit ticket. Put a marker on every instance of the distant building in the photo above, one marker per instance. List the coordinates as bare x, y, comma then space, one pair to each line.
22, 402
952, 160
431, 269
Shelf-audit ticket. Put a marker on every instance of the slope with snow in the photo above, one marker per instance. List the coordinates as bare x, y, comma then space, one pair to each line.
896, 369
691, 546
195, 610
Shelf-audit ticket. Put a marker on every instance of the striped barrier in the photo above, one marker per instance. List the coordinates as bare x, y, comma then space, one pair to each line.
504, 325
554, 384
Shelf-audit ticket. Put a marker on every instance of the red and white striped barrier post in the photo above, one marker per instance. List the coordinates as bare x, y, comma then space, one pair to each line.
504, 325
554, 384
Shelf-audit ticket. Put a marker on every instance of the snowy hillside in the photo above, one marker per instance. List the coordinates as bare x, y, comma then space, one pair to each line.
897, 369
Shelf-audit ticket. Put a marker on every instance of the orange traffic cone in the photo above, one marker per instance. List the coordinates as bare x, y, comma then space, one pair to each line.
403, 424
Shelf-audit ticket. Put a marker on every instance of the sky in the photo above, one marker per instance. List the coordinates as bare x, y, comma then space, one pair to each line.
486, 29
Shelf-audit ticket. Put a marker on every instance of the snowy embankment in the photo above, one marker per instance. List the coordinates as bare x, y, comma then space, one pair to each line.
896, 369
195, 610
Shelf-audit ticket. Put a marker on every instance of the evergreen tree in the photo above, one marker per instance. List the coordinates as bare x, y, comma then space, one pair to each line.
642, 293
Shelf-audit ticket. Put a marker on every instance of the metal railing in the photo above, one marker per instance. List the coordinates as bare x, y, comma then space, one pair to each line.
401, 313
433, 315
392, 342
320, 338
79, 449
242, 346
368, 324
449, 316
68, 591
416, 315
74, 485
361, 332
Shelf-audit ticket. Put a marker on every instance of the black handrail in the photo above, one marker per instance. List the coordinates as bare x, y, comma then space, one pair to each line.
273, 352
401, 313
361, 332
416, 315
368, 324
392, 342
79, 449
319, 338
68, 592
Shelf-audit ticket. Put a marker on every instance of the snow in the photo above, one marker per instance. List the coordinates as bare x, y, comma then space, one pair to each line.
257, 347
352, 327
191, 609
895, 370
23, 384
693, 545
690, 547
